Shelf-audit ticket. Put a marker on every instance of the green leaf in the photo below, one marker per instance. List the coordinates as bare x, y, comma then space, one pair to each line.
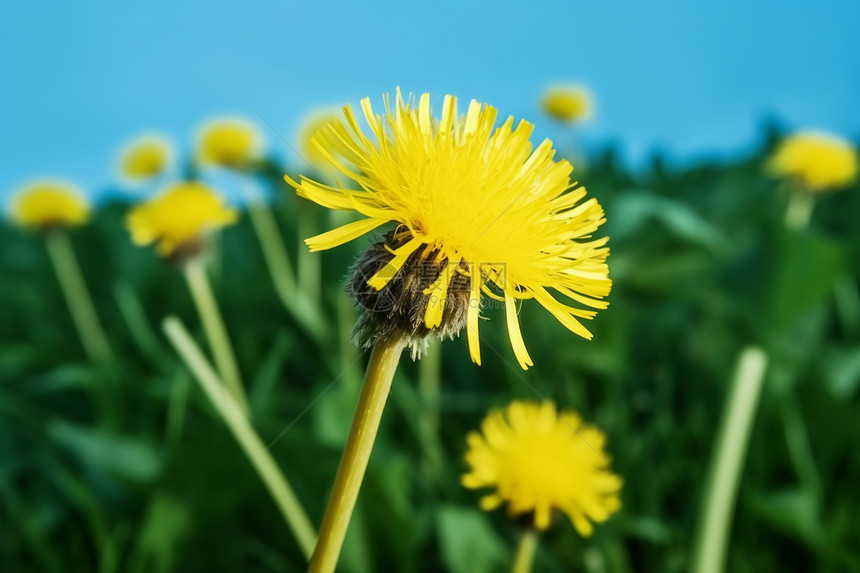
469, 543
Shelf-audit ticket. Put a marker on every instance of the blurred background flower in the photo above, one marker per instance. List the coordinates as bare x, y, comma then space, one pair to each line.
568, 104
818, 161
229, 142
49, 203
179, 217
537, 461
147, 156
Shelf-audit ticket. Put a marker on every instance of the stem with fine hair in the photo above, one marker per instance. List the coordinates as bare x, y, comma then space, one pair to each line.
727, 462
236, 420
78, 298
216, 332
356, 453
526, 548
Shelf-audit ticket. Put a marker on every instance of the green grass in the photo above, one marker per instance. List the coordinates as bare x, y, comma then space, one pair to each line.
127, 467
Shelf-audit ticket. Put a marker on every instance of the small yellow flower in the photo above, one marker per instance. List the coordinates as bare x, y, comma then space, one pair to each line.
145, 157
473, 203
46, 204
178, 217
539, 460
231, 143
819, 161
567, 103
311, 152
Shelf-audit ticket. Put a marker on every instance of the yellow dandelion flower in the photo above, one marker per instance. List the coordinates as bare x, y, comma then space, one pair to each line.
145, 157
538, 461
311, 153
490, 214
178, 218
567, 103
46, 204
229, 142
820, 161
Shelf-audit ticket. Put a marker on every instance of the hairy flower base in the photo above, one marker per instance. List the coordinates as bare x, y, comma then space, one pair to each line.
398, 308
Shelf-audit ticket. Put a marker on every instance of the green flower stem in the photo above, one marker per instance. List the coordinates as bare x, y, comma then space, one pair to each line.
309, 263
131, 309
429, 370
216, 332
526, 549
356, 454
799, 211
726, 464
236, 420
78, 298
305, 311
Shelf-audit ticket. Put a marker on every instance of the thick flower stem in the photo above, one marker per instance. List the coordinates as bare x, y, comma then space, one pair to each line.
236, 420
216, 332
727, 462
356, 454
526, 548
78, 298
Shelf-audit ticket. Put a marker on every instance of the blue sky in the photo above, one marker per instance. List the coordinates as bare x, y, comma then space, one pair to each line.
78, 79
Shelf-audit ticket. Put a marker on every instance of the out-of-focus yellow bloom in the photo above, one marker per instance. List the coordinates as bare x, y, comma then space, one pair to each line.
178, 217
145, 157
820, 161
538, 460
232, 143
567, 103
475, 199
311, 152
46, 204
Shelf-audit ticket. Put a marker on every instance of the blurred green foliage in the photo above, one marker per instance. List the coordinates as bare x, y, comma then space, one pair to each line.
126, 467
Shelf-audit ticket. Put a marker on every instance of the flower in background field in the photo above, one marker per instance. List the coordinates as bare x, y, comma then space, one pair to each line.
479, 211
145, 157
567, 103
537, 460
228, 142
819, 161
178, 218
311, 152
46, 204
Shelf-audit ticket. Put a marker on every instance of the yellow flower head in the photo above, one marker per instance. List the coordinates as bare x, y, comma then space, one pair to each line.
567, 103
497, 216
232, 143
538, 460
820, 161
145, 157
314, 122
178, 217
46, 204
